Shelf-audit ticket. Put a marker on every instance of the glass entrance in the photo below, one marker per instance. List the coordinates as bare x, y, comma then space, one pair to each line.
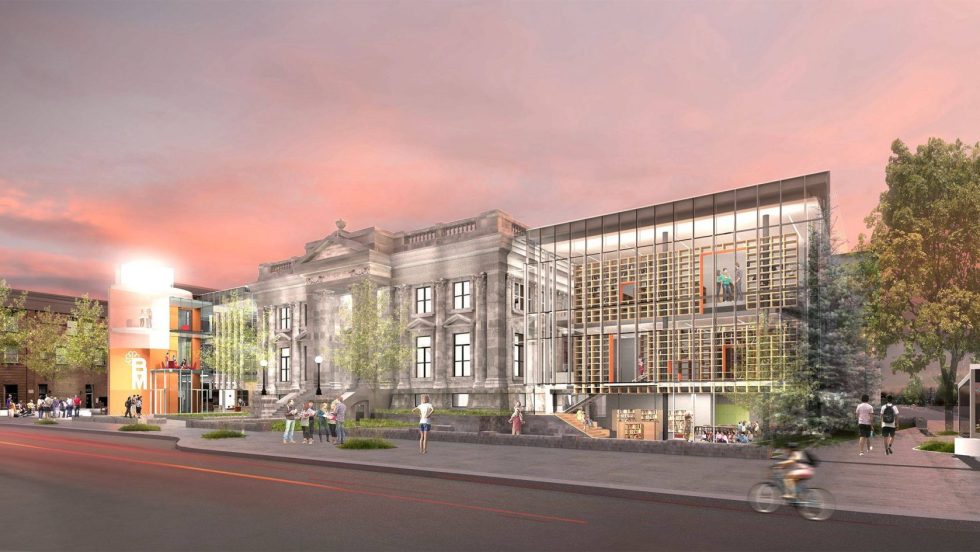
186, 405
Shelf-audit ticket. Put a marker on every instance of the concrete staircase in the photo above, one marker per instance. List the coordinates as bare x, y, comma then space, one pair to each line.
594, 432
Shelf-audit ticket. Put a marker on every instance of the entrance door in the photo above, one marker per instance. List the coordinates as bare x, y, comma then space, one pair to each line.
184, 393
42, 391
626, 359
10, 390
89, 392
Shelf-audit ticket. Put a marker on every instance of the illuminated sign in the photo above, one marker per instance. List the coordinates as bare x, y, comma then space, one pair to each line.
138, 369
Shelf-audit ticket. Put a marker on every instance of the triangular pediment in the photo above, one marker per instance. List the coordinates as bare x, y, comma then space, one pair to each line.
420, 324
332, 247
458, 320
282, 339
302, 335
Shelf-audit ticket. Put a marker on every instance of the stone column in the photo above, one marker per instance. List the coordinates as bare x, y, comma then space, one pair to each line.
480, 330
272, 370
441, 347
403, 305
295, 353
496, 323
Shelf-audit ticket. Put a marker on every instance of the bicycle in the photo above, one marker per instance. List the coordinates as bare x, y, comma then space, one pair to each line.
813, 503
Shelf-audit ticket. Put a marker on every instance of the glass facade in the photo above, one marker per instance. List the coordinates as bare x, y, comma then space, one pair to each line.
700, 295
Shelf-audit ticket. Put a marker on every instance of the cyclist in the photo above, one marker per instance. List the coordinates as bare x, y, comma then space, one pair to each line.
796, 466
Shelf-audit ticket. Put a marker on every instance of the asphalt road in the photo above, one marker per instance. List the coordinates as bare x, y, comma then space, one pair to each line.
66, 491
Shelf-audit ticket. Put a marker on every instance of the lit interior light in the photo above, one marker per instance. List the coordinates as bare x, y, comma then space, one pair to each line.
146, 276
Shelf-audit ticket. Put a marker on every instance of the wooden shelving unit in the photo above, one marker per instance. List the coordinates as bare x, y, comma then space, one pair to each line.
668, 284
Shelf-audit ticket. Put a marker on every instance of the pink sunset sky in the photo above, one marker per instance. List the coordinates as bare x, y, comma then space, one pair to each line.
218, 135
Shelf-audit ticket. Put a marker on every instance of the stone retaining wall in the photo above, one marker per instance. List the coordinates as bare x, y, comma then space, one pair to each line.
577, 442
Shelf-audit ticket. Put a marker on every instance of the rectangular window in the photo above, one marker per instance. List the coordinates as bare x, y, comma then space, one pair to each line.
519, 296
518, 355
184, 319
72, 327
284, 364
60, 356
12, 325
306, 320
423, 300
461, 295
285, 318
423, 356
184, 351
461, 400
461, 355
10, 355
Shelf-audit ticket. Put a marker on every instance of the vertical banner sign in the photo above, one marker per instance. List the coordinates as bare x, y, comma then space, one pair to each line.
138, 367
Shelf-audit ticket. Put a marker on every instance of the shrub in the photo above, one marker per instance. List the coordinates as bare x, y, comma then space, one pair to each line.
223, 434
361, 443
140, 427
948, 432
937, 446
381, 422
46, 421
208, 415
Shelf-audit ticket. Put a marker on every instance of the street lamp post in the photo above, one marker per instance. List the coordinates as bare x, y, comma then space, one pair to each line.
264, 363
318, 360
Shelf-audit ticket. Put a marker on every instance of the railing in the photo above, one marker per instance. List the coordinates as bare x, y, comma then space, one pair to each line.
421, 237
460, 229
281, 267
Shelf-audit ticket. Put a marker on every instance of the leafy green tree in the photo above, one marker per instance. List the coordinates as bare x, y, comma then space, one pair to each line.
923, 262
86, 342
42, 340
371, 347
240, 340
914, 394
12, 328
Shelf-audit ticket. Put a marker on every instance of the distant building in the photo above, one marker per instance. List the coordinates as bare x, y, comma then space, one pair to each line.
24, 385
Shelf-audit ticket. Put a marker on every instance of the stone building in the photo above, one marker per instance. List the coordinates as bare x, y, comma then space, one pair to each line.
462, 283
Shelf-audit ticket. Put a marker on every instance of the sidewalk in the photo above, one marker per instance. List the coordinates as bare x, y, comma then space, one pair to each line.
907, 483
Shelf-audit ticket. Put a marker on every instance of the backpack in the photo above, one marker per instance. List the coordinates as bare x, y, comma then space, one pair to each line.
888, 415
811, 458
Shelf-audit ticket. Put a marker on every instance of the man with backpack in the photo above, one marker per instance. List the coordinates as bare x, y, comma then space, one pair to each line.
889, 422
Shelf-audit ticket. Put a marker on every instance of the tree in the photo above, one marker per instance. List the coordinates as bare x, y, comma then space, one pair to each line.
12, 329
86, 342
42, 340
371, 346
836, 349
923, 262
240, 340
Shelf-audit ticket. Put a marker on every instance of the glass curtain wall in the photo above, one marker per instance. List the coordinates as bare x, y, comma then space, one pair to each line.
698, 295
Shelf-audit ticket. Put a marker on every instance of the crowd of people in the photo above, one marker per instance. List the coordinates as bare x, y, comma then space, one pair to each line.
327, 422
47, 407
743, 433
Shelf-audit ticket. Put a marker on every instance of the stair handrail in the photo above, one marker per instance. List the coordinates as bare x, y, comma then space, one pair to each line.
581, 403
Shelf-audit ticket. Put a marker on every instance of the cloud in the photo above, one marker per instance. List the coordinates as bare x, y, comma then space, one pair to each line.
218, 140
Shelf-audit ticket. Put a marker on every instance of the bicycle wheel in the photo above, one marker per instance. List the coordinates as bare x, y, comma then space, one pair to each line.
816, 504
765, 497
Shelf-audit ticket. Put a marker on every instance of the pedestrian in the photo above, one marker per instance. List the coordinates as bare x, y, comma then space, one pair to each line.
516, 419
889, 422
425, 411
865, 413
69, 408
56, 404
78, 405
340, 412
306, 421
138, 403
322, 427
332, 420
129, 407
287, 436
10, 401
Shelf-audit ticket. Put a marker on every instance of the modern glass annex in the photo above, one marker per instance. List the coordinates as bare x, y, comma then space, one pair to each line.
701, 295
